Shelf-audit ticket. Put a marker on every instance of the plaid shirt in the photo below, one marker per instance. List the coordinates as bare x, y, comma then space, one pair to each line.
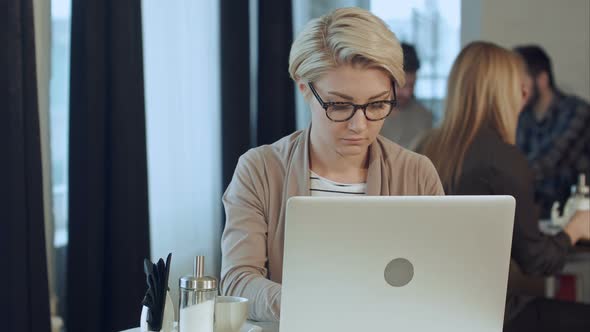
557, 147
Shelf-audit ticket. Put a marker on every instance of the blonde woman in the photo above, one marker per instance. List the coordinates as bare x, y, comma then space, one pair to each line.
474, 154
347, 65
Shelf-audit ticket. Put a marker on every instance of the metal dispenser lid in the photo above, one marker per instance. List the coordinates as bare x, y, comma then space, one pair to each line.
198, 281
582, 188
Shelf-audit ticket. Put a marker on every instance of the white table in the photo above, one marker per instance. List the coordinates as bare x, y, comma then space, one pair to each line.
265, 326
577, 264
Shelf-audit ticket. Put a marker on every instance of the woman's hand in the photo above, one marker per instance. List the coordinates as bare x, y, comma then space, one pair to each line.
579, 226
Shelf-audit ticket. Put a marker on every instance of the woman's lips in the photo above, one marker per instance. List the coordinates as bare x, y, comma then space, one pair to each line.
353, 140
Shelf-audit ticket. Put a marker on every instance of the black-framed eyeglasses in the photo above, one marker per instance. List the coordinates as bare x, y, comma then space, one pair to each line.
344, 111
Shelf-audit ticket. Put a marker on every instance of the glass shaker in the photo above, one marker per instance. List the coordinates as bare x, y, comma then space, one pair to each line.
197, 300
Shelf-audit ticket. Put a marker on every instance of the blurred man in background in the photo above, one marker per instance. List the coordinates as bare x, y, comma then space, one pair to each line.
553, 132
411, 120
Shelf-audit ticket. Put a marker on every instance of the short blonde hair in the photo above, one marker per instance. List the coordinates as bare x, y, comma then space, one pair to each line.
346, 36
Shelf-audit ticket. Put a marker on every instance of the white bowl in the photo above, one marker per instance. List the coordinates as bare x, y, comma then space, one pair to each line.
230, 313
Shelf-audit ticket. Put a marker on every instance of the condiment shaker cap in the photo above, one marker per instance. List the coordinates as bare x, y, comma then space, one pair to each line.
198, 281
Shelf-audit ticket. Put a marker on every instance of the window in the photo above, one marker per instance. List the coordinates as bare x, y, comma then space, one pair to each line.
59, 88
433, 27
59, 114
181, 68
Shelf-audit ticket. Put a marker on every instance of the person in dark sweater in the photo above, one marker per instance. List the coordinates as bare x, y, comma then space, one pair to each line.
475, 154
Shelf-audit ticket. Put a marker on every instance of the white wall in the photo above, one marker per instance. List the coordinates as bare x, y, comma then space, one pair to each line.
561, 27
181, 65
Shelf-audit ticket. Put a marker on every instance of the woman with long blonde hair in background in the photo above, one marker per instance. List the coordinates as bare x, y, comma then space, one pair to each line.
474, 154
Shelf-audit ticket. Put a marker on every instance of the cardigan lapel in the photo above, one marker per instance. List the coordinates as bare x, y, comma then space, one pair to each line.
297, 172
377, 178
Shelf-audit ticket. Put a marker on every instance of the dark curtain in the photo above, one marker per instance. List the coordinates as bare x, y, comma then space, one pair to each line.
24, 304
275, 114
235, 84
276, 99
108, 191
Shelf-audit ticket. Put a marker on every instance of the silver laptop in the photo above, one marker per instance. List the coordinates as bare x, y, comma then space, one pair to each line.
405, 263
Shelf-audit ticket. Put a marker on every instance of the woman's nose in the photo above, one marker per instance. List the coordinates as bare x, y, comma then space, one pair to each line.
358, 122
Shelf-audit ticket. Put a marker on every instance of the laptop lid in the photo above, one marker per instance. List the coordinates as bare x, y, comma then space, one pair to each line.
396, 263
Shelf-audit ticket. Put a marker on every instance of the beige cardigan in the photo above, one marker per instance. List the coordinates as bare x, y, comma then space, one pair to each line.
264, 179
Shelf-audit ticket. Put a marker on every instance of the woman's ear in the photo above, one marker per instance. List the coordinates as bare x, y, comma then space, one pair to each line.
302, 87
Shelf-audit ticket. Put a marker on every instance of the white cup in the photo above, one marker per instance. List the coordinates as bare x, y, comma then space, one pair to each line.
230, 313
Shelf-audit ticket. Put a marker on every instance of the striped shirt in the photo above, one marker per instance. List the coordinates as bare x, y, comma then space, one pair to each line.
320, 186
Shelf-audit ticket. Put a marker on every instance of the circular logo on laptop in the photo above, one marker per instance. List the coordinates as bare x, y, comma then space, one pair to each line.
399, 272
